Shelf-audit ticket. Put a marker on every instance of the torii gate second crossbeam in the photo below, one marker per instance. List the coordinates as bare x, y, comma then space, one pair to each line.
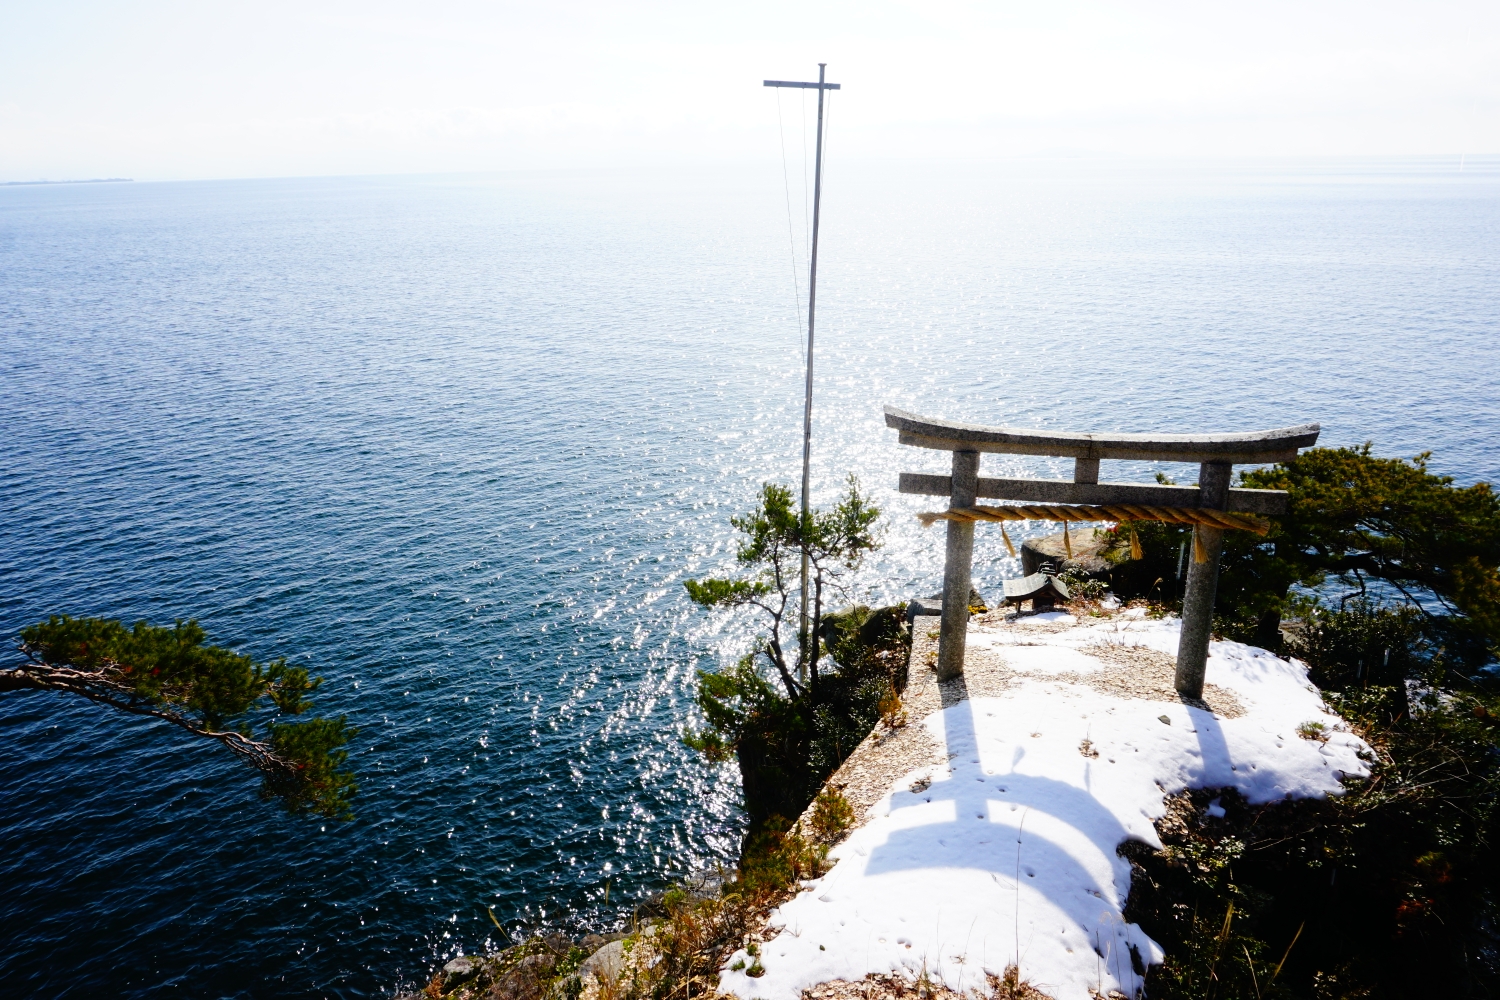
1205, 505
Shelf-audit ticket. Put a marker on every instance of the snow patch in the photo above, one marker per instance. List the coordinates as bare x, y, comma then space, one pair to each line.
1009, 856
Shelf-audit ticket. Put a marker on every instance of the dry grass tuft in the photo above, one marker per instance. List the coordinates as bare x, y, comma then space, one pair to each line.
897, 987
832, 816
892, 711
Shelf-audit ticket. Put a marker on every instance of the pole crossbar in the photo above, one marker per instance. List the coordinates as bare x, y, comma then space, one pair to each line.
803, 86
1115, 512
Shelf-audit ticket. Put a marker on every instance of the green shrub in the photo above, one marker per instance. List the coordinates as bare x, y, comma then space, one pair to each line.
1080, 586
832, 815
1385, 576
1358, 526
1389, 890
788, 718
787, 747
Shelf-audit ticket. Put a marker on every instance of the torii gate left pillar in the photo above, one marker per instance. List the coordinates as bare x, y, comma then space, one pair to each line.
957, 568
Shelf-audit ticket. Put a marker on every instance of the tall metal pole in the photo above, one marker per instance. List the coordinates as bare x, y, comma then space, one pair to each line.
812, 303
807, 624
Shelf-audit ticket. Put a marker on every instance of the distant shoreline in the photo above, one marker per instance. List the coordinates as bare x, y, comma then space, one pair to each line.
89, 180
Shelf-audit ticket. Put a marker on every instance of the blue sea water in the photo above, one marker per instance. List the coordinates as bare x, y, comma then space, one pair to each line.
453, 443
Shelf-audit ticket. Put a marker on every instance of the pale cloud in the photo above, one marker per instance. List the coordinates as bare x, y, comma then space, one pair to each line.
158, 89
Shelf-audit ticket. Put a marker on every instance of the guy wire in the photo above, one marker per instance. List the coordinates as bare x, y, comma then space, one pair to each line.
827, 126
791, 233
806, 187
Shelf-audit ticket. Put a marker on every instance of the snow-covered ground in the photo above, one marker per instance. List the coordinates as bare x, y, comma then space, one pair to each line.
1007, 855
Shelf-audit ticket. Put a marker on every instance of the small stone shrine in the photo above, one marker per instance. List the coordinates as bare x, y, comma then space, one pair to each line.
1043, 590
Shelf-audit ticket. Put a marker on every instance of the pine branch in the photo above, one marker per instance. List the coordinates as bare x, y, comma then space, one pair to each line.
173, 675
99, 686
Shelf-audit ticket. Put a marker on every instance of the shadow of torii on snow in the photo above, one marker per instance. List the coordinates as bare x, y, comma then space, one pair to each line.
1008, 855
1041, 853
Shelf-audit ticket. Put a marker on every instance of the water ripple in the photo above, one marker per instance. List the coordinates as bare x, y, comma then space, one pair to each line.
454, 444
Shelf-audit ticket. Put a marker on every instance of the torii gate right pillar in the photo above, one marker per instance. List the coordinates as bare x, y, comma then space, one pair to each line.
1202, 582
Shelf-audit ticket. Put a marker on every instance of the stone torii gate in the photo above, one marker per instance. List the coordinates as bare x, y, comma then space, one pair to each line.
1211, 506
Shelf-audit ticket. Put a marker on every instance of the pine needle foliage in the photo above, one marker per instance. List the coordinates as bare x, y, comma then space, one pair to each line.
175, 675
1391, 890
832, 816
1360, 523
1383, 579
1360, 527
786, 714
775, 537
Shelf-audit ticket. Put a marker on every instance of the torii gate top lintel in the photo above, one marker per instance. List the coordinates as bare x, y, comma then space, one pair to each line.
1253, 448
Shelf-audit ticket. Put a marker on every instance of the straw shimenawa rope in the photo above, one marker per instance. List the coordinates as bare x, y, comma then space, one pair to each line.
1112, 512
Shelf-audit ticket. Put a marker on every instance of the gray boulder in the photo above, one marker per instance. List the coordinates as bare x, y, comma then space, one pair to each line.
1048, 554
606, 964
459, 970
934, 605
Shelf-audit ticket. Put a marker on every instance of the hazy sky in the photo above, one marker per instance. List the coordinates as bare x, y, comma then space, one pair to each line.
154, 90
